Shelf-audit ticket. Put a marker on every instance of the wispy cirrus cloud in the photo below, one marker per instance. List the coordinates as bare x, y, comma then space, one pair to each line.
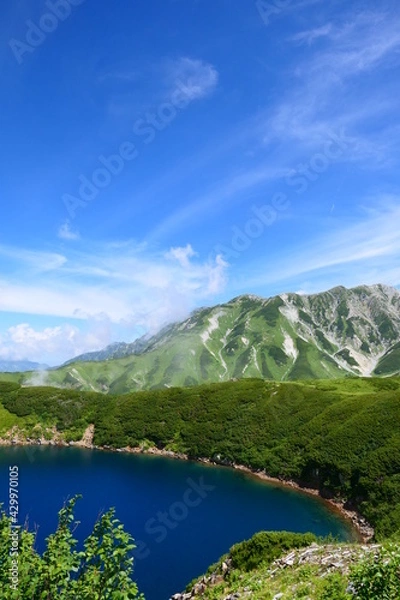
37, 260
367, 251
360, 45
216, 199
328, 93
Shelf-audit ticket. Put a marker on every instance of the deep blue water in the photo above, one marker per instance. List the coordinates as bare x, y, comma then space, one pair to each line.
186, 515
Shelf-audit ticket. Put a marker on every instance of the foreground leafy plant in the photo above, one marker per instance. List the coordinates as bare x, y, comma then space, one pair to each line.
377, 577
102, 570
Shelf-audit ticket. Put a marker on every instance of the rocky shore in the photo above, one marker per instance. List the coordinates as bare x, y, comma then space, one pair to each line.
362, 527
51, 437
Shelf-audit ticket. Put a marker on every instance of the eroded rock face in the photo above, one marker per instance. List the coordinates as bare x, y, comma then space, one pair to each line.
87, 438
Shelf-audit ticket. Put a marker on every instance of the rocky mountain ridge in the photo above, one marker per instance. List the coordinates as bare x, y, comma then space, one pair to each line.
337, 333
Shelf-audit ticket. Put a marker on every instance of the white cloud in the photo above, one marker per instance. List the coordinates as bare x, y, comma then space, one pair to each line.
113, 289
181, 255
197, 76
66, 233
217, 276
67, 298
125, 283
52, 344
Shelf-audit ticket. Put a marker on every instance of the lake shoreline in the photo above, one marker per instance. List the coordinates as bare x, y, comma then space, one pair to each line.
363, 530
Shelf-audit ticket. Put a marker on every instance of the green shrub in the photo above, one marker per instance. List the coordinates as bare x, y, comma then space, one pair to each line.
266, 546
377, 577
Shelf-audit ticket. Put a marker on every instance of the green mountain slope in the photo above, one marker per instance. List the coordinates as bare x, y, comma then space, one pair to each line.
287, 337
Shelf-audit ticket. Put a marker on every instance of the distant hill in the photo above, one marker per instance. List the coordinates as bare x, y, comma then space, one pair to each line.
15, 366
287, 337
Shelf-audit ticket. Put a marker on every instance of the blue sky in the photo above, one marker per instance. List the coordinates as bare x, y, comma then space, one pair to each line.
162, 155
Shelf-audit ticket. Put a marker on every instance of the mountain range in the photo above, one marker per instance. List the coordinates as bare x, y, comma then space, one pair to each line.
353, 332
14, 366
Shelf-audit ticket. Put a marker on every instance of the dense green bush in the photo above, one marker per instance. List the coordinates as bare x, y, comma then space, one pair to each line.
265, 547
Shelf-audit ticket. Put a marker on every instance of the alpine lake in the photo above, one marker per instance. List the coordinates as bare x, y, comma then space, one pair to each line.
183, 515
